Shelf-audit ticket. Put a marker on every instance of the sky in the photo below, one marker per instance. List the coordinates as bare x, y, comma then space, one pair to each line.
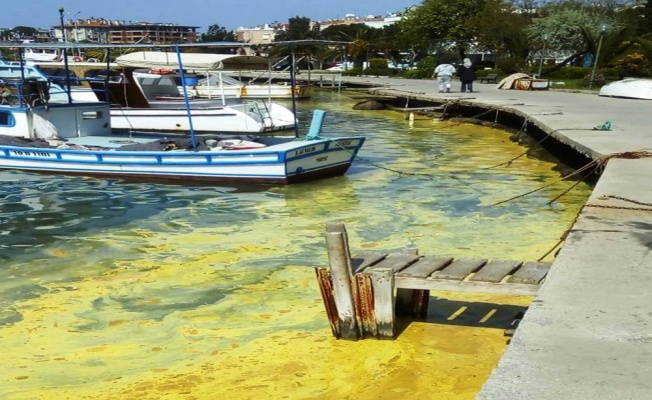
230, 14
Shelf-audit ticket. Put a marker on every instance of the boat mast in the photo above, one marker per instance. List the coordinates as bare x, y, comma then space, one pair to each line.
107, 88
65, 55
294, 100
185, 97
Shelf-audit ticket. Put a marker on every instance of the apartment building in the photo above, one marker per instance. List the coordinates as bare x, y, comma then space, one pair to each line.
124, 32
262, 34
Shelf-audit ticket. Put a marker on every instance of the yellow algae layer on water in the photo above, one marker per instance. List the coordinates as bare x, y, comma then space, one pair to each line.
209, 294
268, 338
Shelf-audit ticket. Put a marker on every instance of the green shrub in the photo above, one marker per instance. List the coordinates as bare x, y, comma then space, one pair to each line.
567, 73
633, 65
426, 66
377, 63
611, 74
598, 79
416, 74
484, 72
353, 72
385, 71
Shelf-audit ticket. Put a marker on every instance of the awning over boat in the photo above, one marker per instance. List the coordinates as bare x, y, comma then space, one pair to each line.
191, 61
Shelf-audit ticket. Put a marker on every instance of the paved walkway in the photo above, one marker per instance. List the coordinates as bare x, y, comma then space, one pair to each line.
588, 333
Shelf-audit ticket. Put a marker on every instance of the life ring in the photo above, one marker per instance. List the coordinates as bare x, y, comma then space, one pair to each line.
160, 71
77, 59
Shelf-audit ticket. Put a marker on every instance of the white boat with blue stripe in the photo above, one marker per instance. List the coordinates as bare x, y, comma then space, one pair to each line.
77, 139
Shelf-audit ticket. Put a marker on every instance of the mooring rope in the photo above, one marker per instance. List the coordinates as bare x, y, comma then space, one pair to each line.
594, 165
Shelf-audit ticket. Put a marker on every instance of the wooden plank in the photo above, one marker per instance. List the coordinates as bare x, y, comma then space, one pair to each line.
412, 251
340, 265
395, 262
383, 287
326, 289
495, 270
531, 273
459, 269
425, 266
361, 261
463, 286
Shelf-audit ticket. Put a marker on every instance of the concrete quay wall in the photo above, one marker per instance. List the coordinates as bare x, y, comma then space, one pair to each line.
588, 333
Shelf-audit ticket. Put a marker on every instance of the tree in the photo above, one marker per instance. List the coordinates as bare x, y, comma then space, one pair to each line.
442, 21
24, 31
342, 33
646, 13
391, 41
216, 33
500, 28
362, 42
563, 24
299, 28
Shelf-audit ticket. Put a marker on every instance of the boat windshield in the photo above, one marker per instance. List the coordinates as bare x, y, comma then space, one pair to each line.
213, 79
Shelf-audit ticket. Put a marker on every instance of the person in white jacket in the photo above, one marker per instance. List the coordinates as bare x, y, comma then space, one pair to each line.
444, 73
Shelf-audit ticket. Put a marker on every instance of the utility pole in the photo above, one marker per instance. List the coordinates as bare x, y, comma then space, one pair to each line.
63, 28
603, 28
545, 39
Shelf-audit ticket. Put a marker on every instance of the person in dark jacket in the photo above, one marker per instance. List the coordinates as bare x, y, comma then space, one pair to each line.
467, 75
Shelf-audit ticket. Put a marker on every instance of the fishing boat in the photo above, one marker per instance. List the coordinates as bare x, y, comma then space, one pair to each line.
145, 101
37, 54
77, 138
212, 84
153, 102
209, 78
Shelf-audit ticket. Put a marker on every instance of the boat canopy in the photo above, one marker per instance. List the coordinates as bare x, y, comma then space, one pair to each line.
192, 61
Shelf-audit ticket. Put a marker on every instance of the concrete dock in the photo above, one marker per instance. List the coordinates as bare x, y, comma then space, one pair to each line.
588, 333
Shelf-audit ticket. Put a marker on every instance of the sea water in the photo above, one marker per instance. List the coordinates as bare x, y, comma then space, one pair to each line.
120, 290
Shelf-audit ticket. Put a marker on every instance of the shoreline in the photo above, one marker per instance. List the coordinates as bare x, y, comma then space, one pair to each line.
585, 335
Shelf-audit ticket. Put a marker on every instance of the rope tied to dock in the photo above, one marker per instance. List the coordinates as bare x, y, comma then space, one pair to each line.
625, 199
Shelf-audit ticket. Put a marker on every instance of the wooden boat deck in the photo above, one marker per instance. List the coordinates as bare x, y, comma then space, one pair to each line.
112, 142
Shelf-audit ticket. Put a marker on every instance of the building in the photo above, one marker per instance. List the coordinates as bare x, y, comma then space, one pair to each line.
38, 35
263, 34
373, 21
124, 32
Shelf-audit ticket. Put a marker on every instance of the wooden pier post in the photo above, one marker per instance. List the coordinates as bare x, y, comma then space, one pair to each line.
383, 292
339, 258
412, 302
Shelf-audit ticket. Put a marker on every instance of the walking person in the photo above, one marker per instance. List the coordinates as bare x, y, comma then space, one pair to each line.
444, 74
467, 75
